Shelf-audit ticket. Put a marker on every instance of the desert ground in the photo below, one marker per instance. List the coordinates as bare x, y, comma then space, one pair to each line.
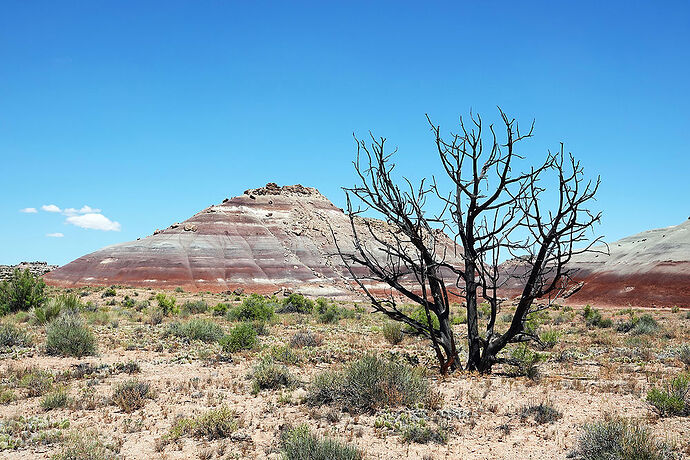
589, 369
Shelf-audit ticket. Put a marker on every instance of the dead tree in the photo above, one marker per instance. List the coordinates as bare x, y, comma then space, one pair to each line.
491, 212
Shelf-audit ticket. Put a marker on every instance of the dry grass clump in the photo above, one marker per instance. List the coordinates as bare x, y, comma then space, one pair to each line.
196, 329
270, 375
300, 444
214, 424
393, 332
67, 335
305, 338
621, 439
542, 412
370, 383
85, 447
11, 336
131, 395
55, 399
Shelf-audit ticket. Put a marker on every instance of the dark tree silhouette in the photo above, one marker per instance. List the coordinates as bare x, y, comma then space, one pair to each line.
490, 211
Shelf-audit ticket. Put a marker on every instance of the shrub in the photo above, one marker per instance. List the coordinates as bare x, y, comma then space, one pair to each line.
129, 302
220, 310
684, 354
549, 338
36, 382
283, 354
299, 444
7, 396
11, 335
419, 314
85, 447
369, 383
269, 375
109, 292
55, 399
68, 336
130, 367
214, 424
393, 332
166, 304
196, 329
543, 412
305, 338
252, 308
241, 337
195, 307
297, 303
620, 439
673, 398
131, 395
21, 292
179, 289
412, 425
593, 318
155, 318
524, 361
675, 309
645, 325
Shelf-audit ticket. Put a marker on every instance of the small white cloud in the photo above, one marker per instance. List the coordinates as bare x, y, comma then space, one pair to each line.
29, 210
84, 210
55, 235
50, 208
94, 221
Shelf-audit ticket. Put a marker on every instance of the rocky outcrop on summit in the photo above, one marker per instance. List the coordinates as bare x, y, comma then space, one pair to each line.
35, 268
269, 239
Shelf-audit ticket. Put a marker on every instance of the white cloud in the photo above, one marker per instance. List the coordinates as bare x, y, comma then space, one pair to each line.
94, 221
55, 235
50, 208
29, 210
84, 210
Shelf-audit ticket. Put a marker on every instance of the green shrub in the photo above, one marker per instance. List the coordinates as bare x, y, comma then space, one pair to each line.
178, 289
67, 335
419, 315
684, 354
549, 338
131, 395
130, 367
283, 354
673, 398
195, 307
196, 329
55, 399
220, 310
85, 446
269, 375
370, 383
645, 325
542, 412
393, 332
129, 302
305, 338
675, 309
7, 396
412, 426
593, 318
166, 304
109, 292
36, 382
241, 337
21, 292
252, 308
299, 444
214, 424
297, 303
524, 361
620, 439
11, 336
17, 432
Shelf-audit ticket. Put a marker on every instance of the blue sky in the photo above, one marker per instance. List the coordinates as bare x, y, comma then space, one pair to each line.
147, 112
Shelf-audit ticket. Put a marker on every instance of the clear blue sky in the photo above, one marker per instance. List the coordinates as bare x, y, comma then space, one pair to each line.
150, 111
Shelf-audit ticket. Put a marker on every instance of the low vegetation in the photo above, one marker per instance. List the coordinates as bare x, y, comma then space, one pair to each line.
241, 337
196, 329
214, 424
12, 336
67, 335
673, 398
131, 395
300, 444
21, 292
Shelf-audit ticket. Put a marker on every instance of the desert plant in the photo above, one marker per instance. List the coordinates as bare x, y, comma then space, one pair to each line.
645, 325
252, 308
620, 439
21, 292
305, 338
299, 444
593, 318
67, 335
129, 302
220, 309
36, 382
241, 337
370, 383
269, 375
549, 338
393, 332
283, 354
684, 354
55, 399
542, 412
214, 424
297, 303
109, 292
196, 329
130, 367
131, 395
85, 446
194, 307
11, 336
166, 304
673, 398
524, 361
334, 313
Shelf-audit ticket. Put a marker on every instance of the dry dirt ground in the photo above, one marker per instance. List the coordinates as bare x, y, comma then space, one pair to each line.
589, 373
